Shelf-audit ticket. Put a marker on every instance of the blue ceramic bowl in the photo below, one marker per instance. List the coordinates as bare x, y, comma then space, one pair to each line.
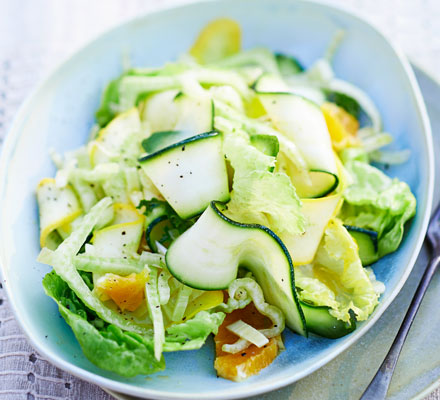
60, 114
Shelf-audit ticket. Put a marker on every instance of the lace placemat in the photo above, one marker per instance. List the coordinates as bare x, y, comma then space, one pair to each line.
36, 35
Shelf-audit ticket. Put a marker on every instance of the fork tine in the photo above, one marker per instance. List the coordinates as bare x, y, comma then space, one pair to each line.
433, 233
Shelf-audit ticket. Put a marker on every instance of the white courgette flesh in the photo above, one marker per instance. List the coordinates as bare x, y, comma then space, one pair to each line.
317, 213
301, 121
114, 136
189, 174
315, 184
123, 236
58, 207
208, 254
195, 114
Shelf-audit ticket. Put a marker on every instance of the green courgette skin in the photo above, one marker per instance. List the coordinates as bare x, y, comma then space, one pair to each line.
216, 204
367, 242
182, 143
274, 93
320, 322
331, 188
151, 232
194, 269
317, 319
158, 140
288, 65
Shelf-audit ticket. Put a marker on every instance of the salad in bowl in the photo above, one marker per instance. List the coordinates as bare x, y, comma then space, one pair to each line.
229, 193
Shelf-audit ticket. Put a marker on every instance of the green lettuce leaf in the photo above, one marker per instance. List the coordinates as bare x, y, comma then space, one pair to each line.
105, 345
192, 334
109, 102
113, 349
337, 279
375, 201
312, 290
259, 195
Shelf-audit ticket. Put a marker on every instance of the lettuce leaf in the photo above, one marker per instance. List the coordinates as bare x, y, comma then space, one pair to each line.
192, 334
260, 196
113, 349
337, 279
105, 345
109, 101
375, 201
312, 290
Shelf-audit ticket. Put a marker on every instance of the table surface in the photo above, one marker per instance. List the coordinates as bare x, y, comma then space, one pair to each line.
36, 35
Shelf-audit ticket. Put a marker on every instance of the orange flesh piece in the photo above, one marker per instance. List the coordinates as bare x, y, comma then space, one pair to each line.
250, 361
342, 126
128, 292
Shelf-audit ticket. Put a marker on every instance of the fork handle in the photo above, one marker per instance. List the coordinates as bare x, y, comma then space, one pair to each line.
378, 387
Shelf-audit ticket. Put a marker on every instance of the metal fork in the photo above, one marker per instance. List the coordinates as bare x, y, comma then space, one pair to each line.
378, 387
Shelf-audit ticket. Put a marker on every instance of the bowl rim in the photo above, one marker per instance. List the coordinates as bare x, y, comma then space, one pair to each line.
237, 391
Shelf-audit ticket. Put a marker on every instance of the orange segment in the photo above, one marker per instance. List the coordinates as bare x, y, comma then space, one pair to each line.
251, 361
128, 292
342, 126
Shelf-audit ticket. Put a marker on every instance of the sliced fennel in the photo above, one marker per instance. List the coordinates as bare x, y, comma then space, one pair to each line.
61, 261
254, 293
153, 303
102, 265
164, 287
248, 333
